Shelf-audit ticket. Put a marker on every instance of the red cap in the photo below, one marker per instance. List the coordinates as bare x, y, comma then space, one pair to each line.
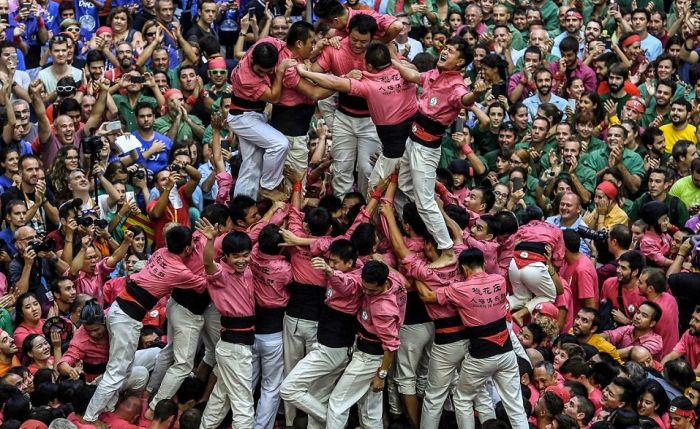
609, 189
547, 309
636, 104
560, 391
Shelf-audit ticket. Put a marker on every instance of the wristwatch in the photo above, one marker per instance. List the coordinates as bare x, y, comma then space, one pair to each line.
382, 373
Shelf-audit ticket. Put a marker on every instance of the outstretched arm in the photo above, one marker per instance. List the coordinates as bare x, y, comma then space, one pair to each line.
327, 81
406, 72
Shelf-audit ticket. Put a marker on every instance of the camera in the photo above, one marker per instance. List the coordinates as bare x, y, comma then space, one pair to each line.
138, 174
87, 221
92, 145
591, 234
137, 79
174, 168
42, 246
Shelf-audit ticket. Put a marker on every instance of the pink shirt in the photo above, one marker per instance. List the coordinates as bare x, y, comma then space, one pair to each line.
23, 331
383, 22
565, 301
165, 271
111, 290
630, 297
340, 61
92, 284
689, 346
441, 99
289, 96
539, 231
245, 82
480, 300
114, 421
583, 280
390, 98
301, 256
253, 230
383, 314
76, 421
505, 254
489, 248
83, 348
667, 326
195, 261
272, 274
623, 337
344, 292
435, 279
655, 247
232, 293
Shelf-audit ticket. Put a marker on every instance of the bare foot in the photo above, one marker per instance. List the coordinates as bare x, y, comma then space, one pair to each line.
148, 415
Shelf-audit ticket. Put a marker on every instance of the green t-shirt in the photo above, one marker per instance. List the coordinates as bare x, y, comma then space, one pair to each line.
598, 161
128, 112
686, 191
184, 131
678, 213
484, 140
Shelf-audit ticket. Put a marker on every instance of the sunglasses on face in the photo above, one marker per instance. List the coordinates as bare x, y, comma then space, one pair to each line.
65, 89
218, 72
151, 34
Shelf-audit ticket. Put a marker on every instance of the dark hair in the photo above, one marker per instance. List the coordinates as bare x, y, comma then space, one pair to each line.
622, 234
270, 239
458, 214
378, 55
19, 316
472, 258
365, 238
363, 24
635, 259
27, 346
656, 390
300, 31
682, 102
178, 238
216, 214
424, 62
190, 419
629, 394
165, 408
94, 56
328, 9
236, 242
239, 207
679, 373
572, 241
191, 389
669, 83
495, 61
595, 323
463, 49
568, 44
343, 249
508, 222
375, 272
265, 55
318, 220
585, 406
619, 68
537, 333
552, 403
411, 217
575, 366
144, 105
16, 408
487, 197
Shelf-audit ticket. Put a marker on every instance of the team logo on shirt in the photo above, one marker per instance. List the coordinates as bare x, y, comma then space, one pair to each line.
433, 101
154, 313
365, 316
329, 292
630, 309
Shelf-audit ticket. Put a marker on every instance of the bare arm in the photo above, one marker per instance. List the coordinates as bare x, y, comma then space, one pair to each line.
387, 210
426, 295
409, 74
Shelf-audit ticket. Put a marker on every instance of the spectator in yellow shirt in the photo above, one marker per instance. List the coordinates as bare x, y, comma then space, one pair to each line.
679, 128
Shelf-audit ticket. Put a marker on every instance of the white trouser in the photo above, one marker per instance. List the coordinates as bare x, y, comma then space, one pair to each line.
416, 341
328, 107
298, 157
532, 285
144, 361
382, 168
263, 151
211, 334
354, 388
268, 364
309, 384
124, 333
417, 176
234, 387
299, 340
354, 139
445, 360
178, 355
503, 369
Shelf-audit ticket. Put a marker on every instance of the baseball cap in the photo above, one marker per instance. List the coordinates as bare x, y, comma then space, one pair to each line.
547, 309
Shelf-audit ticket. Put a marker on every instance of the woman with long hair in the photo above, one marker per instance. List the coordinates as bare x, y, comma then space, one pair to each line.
9, 166
39, 354
27, 318
654, 403
67, 160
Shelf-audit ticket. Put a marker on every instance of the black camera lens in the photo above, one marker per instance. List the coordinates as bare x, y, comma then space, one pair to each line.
84, 221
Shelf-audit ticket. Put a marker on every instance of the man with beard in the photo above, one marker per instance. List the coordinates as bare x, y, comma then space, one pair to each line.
218, 81
538, 143
629, 267
586, 325
657, 26
571, 66
653, 149
688, 187
660, 182
8, 353
657, 114
507, 136
640, 332
651, 46
125, 57
521, 85
134, 83
616, 80
689, 344
573, 21
193, 93
543, 81
155, 147
66, 131
628, 162
679, 128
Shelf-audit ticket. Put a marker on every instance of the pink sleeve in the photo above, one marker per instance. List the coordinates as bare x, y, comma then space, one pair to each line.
225, 182
558, 257
253, 231
387, 326
103, 270
652, 251
216, 280
587, 284
416, 267
384, 21
362, 217
3, 284
444, 295
279, 216
324, 60
320, 245
654, 343
359, 88
455, 97
342, 283
72, 355
291, 78
296, 222
616, 335
680, 348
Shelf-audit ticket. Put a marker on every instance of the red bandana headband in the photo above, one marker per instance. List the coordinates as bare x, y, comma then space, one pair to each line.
630, 40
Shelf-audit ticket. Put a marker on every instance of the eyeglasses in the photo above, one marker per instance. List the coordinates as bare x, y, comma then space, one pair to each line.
58, 39
151, 34
500, 194
68, 88
217, 72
